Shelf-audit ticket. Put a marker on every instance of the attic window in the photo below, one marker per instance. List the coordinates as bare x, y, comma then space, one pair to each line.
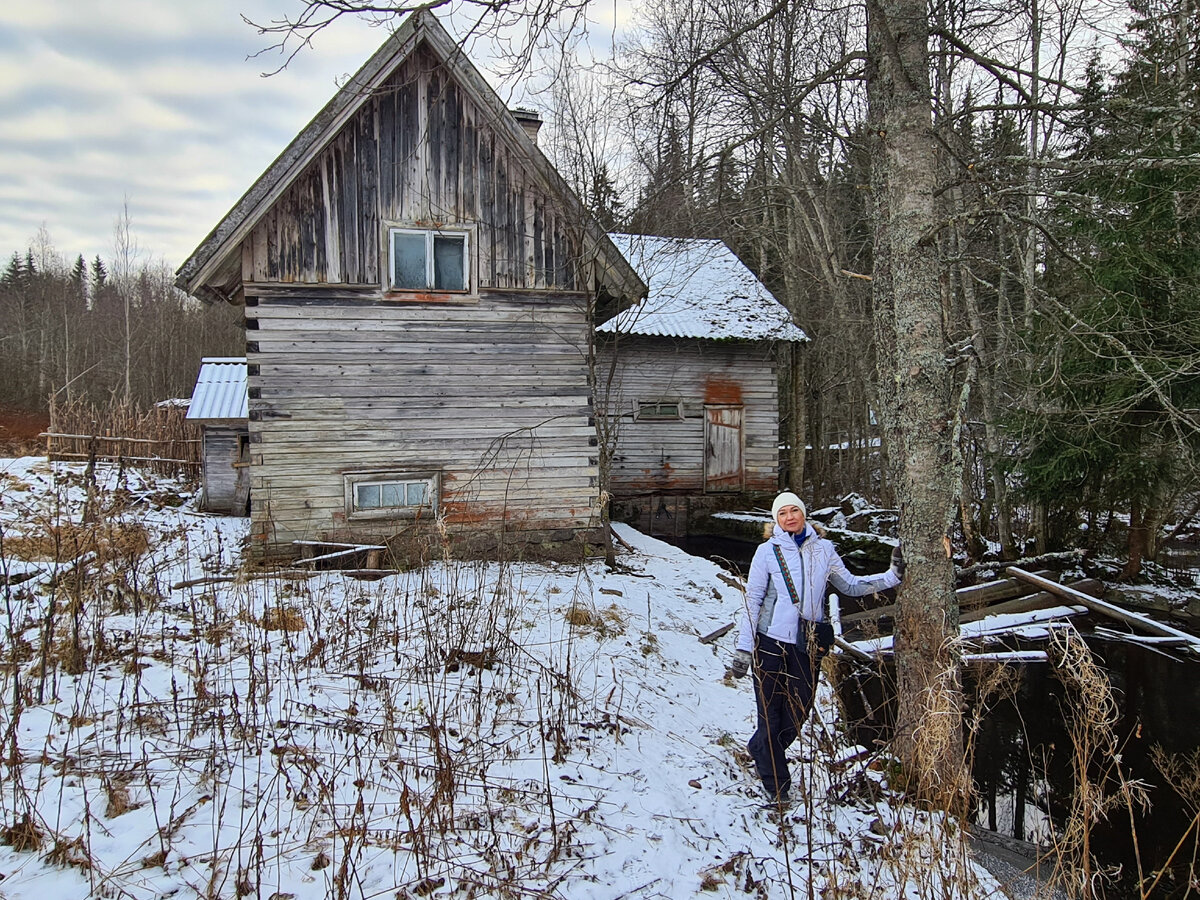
659, 410
424, 260
390, 495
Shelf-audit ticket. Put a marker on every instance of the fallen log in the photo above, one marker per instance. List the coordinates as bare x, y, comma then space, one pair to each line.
1006, 656
1132, 619
620, 540
858, 653
1059, 556
884, 645
979, 595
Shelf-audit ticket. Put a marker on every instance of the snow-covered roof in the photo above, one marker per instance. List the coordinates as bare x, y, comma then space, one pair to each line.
698, 289
220, 391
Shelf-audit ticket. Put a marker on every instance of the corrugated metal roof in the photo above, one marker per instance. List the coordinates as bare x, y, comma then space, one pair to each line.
220, 391
698, 289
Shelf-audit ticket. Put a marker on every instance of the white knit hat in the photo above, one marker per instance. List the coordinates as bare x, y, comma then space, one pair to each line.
787, 498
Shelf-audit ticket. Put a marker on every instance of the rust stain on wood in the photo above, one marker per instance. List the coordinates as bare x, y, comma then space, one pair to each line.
721, 390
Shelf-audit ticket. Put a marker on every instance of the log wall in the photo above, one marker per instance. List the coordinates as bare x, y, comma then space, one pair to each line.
668, 456
492, 395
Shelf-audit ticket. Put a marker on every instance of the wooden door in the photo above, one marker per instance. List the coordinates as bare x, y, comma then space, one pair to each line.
723, 448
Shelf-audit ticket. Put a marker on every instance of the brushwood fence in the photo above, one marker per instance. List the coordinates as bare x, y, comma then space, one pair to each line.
159, 438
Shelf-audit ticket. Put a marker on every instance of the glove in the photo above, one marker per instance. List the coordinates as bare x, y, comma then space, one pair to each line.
740, 664
898, 563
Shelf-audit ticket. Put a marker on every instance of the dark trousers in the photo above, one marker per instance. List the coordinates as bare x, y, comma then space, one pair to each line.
785, 679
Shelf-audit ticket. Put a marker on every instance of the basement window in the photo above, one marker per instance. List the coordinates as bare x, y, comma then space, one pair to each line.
659, 410
424, 260
391, 495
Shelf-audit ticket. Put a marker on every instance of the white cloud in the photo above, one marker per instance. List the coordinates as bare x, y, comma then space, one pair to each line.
158, 102
155, 102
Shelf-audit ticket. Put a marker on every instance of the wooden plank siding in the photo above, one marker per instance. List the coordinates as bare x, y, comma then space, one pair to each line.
493, 396
417, 153
220, 474
664, 456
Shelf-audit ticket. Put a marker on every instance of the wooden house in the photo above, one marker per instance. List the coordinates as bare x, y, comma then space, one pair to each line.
689, 383
419, 286
219, 406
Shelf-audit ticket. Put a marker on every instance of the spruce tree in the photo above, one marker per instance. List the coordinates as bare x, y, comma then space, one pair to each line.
1119, 341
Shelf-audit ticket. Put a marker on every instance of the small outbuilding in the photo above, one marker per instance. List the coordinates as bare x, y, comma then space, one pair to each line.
219, 407
689, 384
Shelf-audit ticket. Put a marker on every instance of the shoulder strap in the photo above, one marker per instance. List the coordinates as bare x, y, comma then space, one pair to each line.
787, 576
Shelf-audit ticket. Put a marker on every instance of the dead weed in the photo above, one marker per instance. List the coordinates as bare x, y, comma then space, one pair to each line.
66, 541
283, 618
604, 622
22, 835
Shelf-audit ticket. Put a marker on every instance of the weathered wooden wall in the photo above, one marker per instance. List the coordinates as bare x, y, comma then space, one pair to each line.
418, 152
668, 456
492, 394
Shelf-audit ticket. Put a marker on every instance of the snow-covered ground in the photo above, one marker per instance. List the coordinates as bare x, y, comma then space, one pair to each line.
174, 724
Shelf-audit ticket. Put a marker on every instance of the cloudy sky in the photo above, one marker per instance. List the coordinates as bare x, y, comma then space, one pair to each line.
158, 103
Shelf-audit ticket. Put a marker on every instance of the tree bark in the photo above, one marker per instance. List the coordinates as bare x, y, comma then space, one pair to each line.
916, 399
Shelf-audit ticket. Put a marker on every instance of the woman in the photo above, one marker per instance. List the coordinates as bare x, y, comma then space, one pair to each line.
784, 626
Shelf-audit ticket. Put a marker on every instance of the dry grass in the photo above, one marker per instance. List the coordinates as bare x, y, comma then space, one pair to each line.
283, 618
1100, 784
584, 615
161, 437
69, 541
23, 835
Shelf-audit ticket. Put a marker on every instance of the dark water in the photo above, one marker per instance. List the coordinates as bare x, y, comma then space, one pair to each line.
730, 553
1024, 749
1024, 771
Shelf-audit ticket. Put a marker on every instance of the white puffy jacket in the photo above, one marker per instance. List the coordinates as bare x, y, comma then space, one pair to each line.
811, 564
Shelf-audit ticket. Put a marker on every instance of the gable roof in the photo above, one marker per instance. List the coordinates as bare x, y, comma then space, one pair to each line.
214, 268
220, 391
698, 289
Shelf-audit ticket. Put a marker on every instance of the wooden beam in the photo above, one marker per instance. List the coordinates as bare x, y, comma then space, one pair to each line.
848, 648
1040, 600
713, 635
980, 600
1134, 620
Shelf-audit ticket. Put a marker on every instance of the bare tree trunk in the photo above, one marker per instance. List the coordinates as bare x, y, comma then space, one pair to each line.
992, 439
125, 253
1136, 541
916, 407
798, 433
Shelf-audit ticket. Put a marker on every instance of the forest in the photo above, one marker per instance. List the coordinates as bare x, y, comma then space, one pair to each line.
103, 331
1063, 234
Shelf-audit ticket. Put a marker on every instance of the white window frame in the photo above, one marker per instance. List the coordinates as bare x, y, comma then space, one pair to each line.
353, 480
429, 234
640, 408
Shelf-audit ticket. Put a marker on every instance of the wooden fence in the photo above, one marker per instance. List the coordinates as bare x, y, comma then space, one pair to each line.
160, 439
